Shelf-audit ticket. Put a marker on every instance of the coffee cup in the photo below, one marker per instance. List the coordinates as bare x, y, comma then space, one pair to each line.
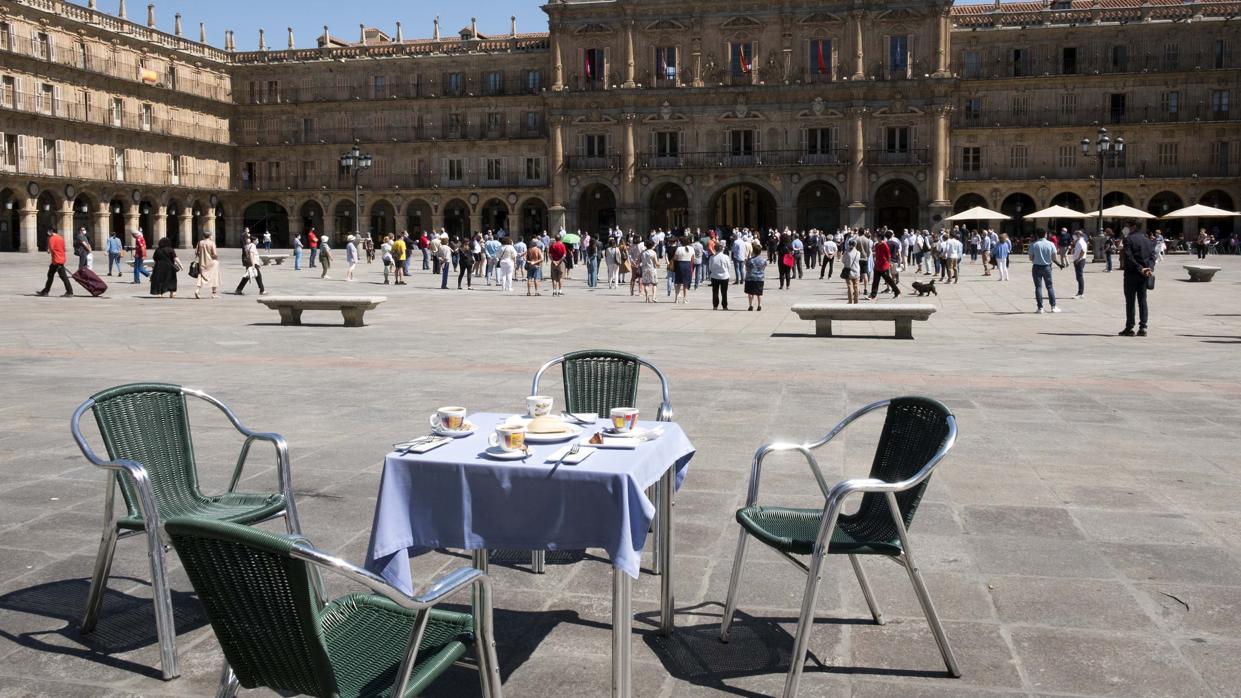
624, 419
509, 438
449, 419
539, 405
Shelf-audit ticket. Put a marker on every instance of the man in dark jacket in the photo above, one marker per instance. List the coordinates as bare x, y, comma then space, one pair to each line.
1139, 266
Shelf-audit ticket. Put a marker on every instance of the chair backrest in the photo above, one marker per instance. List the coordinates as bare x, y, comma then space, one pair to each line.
915, 429
260, 601
599, 380
149, 424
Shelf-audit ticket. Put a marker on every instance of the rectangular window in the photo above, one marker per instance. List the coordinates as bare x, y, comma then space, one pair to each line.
255, 92
495, 122
273, 174
172, 75
8, 156
533, 122
666, 64
534, 169
453, 84
456, 170
595, 145
1167, 153
146, 117
1066, 157
8, 92
493, 82
455, 124
379, 87
1170, 104
81, 54
741, 59
1171, 56
741, 143
896, 139
1219, 158
1116, 107
1068, 60
973, 65
898, 56
494, 169
42, 46
118, 165
819, 141
1120, 58
973, 110
118, 111
534, 81
593, 67
46, 93
1019, 157
174, 166
1019, 107
1067, 106
273, 91
1219, 54
1219, 104
309, 173
667, 144
6, 39
1021, 62
308, 130
820, 59
971, 159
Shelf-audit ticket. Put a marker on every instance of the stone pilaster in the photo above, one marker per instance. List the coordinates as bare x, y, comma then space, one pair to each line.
28, 227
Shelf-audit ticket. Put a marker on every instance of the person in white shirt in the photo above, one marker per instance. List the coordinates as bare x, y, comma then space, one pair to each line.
1078, 255
955, 251
507, 263
717, 270
741, 252
700, 268
828, 265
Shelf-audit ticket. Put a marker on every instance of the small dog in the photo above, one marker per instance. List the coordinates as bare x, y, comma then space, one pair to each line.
925, 289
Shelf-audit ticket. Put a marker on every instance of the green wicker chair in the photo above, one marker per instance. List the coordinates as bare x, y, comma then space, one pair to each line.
146, 430
595, 382
917, 434
261, 593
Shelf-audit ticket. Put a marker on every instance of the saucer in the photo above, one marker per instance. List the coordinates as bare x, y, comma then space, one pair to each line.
571, 431
500, 454
470, 428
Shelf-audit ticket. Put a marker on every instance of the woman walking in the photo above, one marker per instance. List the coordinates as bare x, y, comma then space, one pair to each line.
755, 274
507, 259
1000, 253
851, 269
786, 259
683, 258
351, 257
650, 261
164, 273
612, 261
208, 266
465, 263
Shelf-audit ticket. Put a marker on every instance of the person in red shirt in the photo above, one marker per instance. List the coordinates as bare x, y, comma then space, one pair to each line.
140, 255
883, 269
313, 240
56, 248
557, 253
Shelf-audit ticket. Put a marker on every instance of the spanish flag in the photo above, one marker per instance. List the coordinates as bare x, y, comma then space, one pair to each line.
745, 63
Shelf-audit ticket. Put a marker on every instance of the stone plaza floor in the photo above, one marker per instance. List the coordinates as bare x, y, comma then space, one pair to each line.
1083, 538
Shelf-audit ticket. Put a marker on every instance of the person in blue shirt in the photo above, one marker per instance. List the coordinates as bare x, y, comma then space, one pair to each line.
1000, 254
755, 275
1042, 256
114, 254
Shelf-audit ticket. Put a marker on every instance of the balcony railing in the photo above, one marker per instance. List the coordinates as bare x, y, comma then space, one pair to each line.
514, 85
992, 118
400, 180
587, 163
833, 157
384, 134
127, 119
1000, 65
1087, 169
911, 156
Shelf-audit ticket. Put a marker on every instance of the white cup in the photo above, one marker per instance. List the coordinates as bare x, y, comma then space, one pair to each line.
449, 419
624, 419
539, 405
508, 438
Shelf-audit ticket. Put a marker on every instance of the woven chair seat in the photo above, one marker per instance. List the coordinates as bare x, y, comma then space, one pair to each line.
366, 635
234, 507
794, 531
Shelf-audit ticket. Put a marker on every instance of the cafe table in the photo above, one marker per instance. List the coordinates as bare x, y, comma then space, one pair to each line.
457, 497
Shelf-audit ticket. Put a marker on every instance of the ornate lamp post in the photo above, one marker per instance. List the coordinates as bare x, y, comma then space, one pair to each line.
1104, 145
355, 163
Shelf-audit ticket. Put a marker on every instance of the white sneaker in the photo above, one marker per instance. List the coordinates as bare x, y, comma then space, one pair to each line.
1039, 311
1055, 309
1079, 296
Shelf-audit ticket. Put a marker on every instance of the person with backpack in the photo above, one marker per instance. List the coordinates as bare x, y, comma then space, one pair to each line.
251, 263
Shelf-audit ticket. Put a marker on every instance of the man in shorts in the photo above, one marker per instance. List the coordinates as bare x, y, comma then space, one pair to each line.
557, 254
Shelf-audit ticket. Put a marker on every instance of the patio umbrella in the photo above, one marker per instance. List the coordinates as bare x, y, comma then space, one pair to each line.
1200, 211
1123, 211
978, 213
1056, 212
570, 238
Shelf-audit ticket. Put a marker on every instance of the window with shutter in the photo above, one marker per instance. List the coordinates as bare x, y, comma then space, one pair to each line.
58, 153
22, 146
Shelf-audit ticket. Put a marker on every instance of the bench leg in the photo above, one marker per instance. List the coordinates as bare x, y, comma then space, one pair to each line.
279, 261
904, 328
823, 327
290, 316
353, 316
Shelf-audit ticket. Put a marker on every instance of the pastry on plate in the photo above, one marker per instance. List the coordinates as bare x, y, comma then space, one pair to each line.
546, 424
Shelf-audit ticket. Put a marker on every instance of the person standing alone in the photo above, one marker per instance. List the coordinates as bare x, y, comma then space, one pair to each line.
1139, 273
717, 269
56, 249
1042, 256
1078, 255
313, 239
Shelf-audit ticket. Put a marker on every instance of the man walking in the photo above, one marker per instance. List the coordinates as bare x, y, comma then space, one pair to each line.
140, 255
251, 263
1042, 256
883, 270
56, 249
313, 239
115, 252
954, 253
1139, 269
1078, 256
82, 248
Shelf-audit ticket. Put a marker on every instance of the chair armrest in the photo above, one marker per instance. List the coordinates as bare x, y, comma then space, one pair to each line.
451, 583
756, 467
135, 471
282, 457
441, 588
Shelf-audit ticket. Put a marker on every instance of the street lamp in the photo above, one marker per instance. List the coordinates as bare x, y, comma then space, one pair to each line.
1104, 145
355, 163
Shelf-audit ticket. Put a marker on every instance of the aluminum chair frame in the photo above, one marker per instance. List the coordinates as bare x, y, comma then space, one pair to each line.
137, 476
538, 558
487, 663
836, 495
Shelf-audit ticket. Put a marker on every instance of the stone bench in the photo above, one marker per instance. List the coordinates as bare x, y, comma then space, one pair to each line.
902, 314
351, 307
1200, 272
269, 258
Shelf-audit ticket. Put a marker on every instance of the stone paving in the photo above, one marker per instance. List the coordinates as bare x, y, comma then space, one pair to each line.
1084, 537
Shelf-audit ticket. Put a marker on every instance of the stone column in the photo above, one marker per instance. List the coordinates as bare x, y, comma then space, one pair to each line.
697, 53
629, 180
476, 220
939, 155
859, 61
557, 63
209, 223
556, 212
131, 223
29, 227
857, 169
66, 223
159, 221
185, 228
630, 58
296, 226
943, 43
102, 218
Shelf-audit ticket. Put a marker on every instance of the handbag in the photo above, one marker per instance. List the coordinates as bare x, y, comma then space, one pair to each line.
1150, 283
195, 270
845, 273
787, 260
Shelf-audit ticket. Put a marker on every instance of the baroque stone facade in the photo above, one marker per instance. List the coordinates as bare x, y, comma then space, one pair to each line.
638, 113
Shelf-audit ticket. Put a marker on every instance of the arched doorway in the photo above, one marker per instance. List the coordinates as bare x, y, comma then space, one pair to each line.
495, 216
48, 216
818, 207
267, 217
197, 218
533, 217
220, 223
596, 210
116, 209
1116, 198
10, 221
456, 218
342, 220
1222, 228
173, 222
743, 205
311, 214
969, 201
1016, 206
417, 217
1162, 204
1072, 201
896, 205
82, 218
383, 219
669, 207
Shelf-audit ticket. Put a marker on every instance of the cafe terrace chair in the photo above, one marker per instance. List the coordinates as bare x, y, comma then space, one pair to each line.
261, 594
146, 430
917, 433
595, 382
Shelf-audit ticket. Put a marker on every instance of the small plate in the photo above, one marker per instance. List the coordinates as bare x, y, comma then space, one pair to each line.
572, 431
470, 428
500, 454
624, 442
635, 433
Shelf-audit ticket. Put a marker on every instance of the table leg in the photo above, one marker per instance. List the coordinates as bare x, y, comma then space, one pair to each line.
481, 608
622, 633
667, 490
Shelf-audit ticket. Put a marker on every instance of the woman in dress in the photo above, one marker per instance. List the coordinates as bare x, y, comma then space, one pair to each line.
164, 273
755, 274
649, 263
684, 267
208, 266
